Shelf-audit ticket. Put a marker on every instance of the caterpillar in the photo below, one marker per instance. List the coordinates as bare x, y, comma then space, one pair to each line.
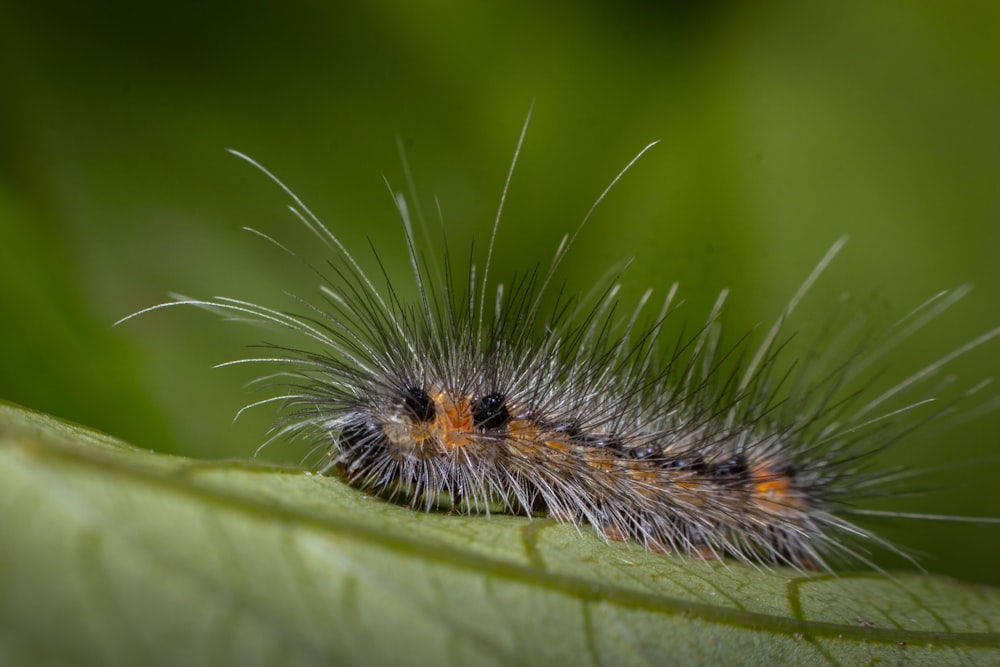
527, 398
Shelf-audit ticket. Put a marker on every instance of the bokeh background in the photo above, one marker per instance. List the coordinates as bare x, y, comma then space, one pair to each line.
783, 125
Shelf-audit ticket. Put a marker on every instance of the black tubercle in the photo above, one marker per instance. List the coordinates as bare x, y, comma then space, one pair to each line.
419, 406
490, 411
570, 429
692, 463
606, 441
784, 470
733, 470
644, 451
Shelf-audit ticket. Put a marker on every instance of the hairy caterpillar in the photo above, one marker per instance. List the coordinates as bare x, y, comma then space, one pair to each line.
587, 409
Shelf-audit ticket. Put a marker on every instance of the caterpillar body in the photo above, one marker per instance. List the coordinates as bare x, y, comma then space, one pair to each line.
523, 399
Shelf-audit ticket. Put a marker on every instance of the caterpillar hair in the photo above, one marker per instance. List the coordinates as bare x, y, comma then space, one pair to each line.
529, 398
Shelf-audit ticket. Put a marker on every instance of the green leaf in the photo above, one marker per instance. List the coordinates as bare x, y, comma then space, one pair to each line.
114, 555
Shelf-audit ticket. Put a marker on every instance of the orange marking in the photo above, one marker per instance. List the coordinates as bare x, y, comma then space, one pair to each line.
453, 421
775, 493
600, 459
770, 485
522, 429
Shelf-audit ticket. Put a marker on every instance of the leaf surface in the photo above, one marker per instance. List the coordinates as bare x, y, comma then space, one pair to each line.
114, 555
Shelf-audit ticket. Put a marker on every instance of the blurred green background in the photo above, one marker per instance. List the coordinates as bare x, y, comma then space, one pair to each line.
783, 126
